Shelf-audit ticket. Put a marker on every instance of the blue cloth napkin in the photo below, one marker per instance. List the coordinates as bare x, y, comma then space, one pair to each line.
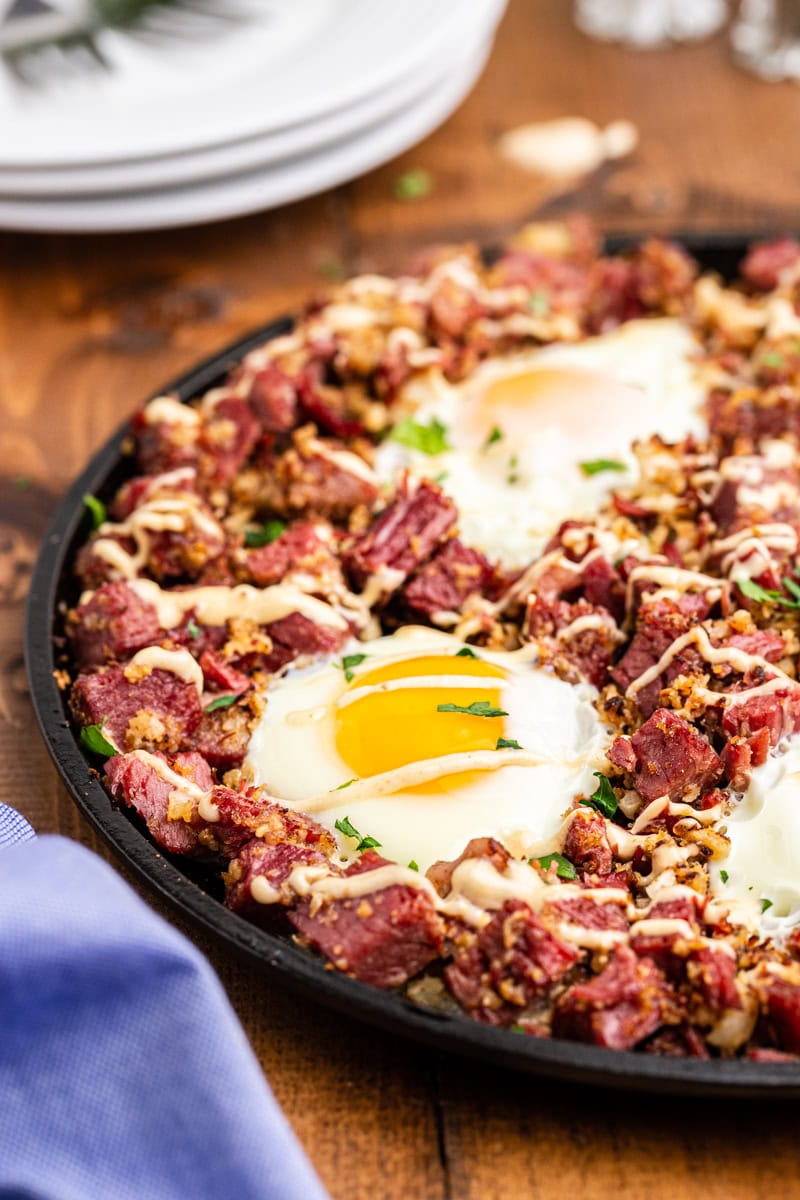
124, 1074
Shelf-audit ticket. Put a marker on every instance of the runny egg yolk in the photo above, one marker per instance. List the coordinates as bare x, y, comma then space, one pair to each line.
385, 729
571, 397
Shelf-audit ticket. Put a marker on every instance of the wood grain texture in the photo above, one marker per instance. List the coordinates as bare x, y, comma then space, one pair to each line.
90, 326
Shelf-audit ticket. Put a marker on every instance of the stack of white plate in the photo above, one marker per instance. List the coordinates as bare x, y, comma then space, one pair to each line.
294, 98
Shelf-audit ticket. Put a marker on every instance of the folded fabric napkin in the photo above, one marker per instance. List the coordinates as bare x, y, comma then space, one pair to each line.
124, 1074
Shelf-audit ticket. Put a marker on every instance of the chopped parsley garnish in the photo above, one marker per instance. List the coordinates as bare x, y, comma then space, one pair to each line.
539, 303
428, 439
595, 465
346, 826
564, 868
348, 662
414, 184
342, 786
193, 629
413, 865
221, 702
517, 1029
96, 508
269, 532
513, 475
603, 800
724, 876
507, 744
466, 653
754, 591
478, 708
765, 904
496, 435
92, 738
772, 359
440, 478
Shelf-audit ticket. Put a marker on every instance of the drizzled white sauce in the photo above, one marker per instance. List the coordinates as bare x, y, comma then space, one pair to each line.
216, 605
176, 662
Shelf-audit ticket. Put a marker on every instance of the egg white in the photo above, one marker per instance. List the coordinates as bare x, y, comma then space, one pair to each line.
764, 859
293, 753
513, 493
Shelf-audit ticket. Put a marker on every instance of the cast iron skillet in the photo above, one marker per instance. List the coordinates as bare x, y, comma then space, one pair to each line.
197, 893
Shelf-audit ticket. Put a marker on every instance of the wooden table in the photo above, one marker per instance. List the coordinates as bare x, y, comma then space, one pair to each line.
90, 326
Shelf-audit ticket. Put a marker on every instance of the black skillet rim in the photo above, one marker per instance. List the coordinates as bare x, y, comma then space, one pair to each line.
299, 969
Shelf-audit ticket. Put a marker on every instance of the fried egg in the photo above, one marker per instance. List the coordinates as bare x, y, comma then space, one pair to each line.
759, 880
422, 743
520, 428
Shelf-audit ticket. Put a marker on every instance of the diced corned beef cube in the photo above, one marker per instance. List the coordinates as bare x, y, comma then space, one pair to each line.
776, 712
768, 643
659, 624
618, 1008
222, 736
681, 1042
300, 636
141, 786
671, 757
158, 711
712, 975
314, 476
273, 396
164, 447
561, 283
622, 755
783, 1008
327, 406
517, 960
740, 755
603, 587
586, 843
668, 950
590, 650
444, 583
587, 913
405, 534
221, 676
383, 937
299, 548
765, 261
228, 436
273, 861
112, 624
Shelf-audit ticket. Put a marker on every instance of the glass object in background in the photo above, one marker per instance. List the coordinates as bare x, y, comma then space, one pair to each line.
766, 38
647, 23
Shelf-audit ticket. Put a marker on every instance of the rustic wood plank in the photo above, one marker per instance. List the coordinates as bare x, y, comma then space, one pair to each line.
90, 326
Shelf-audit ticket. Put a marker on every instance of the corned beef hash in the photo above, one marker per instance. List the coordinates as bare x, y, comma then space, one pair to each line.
459, 628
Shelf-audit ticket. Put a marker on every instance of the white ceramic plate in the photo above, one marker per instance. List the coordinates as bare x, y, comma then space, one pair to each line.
292, 62
251, 153
250, 191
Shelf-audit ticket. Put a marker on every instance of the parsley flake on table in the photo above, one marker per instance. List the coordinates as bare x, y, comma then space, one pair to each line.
93, 739
595, 465
478, 708
427, 439
346, 827
754, 591
603, 799
507, 744
348, 662
220, 702
96, 508
564, 868
414, 184
269, 532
